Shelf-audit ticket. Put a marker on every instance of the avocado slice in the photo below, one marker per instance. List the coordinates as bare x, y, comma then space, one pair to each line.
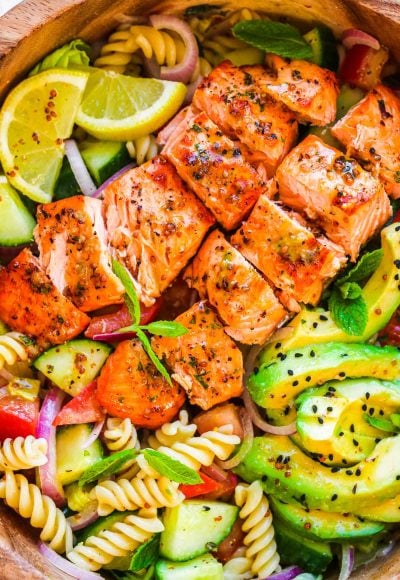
287, 472
331, 417
386, 511
381, 294
312, 556
277, 383
320, 525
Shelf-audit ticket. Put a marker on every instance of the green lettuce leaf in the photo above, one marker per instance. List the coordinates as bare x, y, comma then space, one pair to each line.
75, 54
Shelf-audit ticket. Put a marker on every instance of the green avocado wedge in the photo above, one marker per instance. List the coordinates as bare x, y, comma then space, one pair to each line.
381, 294
289, 474
331, 417
319, 525
387, 511
278, 382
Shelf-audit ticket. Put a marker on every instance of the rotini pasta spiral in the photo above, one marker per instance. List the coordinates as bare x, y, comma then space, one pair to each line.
119, 435
141, 40
170, 433
125, 494
202, 449
143, 148
22, 453
261, 553
12, 348
27, 500
217, 47
119, 540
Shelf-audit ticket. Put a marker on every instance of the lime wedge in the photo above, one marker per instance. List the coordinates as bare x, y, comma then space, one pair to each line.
121, 108
35, 119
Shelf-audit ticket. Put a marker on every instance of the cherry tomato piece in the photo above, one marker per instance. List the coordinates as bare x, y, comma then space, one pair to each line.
18, 416
84, 408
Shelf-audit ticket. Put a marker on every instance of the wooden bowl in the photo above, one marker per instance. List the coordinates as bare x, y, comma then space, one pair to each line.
36, 27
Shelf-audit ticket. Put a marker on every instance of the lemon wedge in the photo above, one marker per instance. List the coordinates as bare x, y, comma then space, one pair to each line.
35, 119
120, 108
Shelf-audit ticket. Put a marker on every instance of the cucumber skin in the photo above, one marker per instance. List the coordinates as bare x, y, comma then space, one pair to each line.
72, 461
16, 221
201, 568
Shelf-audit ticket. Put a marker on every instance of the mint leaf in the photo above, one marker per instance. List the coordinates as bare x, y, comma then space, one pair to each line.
107, 466
350, 290
365, 266
165, 328
146, 554
379, 423
276, 37
152, 355
171, 468
351, 315
132, 303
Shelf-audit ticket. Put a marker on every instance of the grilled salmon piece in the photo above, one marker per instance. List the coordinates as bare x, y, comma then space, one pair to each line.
234, 101
287, 253
72, 241
371, 132
245, 302
305, 88
130, 386
205, 361
30, 303
155, 225
215, 168
348, 202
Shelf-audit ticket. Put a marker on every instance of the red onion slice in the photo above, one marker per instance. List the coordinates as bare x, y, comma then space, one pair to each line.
246, 445
94, 434
215, 472
114, 336
347, 562
8, 253
47, 473
116, 175
182, 71
79, 168
83, 518
257, 420
353, 36
287, 573
65, 566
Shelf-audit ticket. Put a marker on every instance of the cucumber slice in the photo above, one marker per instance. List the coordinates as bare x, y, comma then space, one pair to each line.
73, 365
201, 568
78, 497
323, 45
348, 97
104, 158
72, 460
66, 185
195, 527
16, 221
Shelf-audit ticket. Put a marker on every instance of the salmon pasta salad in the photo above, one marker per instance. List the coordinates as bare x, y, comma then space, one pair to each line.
199, 300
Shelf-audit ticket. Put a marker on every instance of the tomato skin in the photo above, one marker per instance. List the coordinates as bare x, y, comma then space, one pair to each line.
232, 542
84, 408
18, 417
390, 335
225, 490
106, 323
362, 66
226, 414
208, 485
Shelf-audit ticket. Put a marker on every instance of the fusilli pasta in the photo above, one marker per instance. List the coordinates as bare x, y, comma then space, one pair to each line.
119, 435
27, 500
200, 450
119, 540
261, 554
125, 494
12, 348
143, 148
22, 453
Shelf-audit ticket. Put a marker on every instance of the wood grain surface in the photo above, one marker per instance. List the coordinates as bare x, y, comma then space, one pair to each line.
36, 27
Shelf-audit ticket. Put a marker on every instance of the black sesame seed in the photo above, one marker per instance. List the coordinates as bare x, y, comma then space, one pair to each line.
308, 379
352, 428
312, 353
349, 472
290, 372
342, 374
381, 413
332, 389
371, 411
323, 317
354, 490
320, 420
341, 434
315, 324
355, 443
330, 457
335, 469
367, 396
358, 472
278, 345
397, 477
298, 354
295, 383
314, 408
364, 407
334, 497
329, 409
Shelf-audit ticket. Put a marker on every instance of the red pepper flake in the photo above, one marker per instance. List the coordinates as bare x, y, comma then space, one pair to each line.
218, 519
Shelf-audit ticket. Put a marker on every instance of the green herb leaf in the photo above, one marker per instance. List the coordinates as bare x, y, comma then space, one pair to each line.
350, 290
276, 37
152, 356
133, 300
379, 423
107, 466
146, 554
351, 315
365, 266
171, 468
395, 419
165, 328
